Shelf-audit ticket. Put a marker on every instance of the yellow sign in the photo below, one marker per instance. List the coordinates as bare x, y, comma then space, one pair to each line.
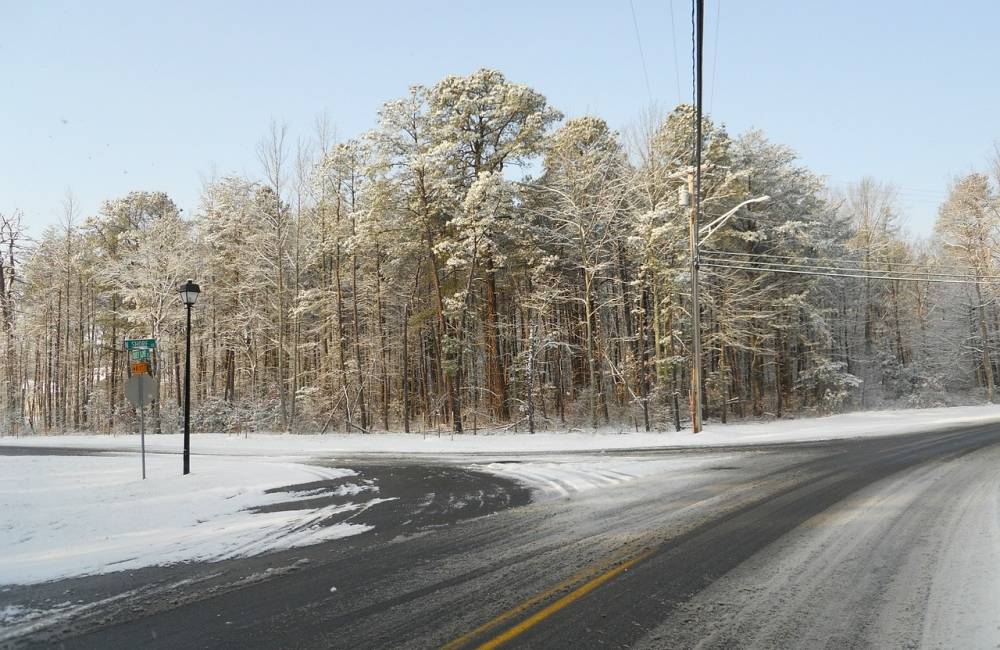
140, 368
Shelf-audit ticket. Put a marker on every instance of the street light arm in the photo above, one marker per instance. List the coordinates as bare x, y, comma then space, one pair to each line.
710, 229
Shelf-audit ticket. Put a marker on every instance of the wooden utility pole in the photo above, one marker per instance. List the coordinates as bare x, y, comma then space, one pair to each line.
695, 189
694, 394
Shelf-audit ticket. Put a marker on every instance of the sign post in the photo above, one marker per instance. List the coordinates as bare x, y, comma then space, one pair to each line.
140, 391
141, 388
142, 432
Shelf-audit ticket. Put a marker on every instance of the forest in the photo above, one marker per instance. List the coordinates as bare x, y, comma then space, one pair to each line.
477, 261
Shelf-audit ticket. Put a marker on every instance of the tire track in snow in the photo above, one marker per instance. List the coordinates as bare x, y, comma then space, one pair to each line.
565, 478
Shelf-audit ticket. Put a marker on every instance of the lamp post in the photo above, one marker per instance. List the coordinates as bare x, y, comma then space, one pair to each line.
189, 294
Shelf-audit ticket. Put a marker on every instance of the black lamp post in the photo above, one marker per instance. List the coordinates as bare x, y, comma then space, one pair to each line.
189, 294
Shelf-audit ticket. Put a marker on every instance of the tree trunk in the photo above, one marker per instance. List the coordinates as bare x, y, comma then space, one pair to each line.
984, 334
496, 374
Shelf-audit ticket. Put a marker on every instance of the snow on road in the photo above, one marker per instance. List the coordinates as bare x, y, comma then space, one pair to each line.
63, 516
567, 475
848, 425
912, 561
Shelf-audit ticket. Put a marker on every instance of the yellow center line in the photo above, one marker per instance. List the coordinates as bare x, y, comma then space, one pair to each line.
569, 598
604, 571
531, 602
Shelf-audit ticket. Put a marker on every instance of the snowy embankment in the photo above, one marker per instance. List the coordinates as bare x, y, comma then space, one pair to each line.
848, 425
65, 516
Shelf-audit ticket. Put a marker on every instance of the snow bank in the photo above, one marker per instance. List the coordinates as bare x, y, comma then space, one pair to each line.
850, 425
63, 516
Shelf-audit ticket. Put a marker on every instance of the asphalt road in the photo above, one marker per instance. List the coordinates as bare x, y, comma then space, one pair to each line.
463, 559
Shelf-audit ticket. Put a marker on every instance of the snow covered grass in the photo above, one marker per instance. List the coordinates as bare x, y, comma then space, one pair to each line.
63, 516
849, 425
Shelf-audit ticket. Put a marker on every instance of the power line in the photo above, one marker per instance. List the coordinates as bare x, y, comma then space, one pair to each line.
892, 186
750, 267
642, 55
895, 188
880, 270
802, 258
798, 257
715, 55
694, 53
673, 38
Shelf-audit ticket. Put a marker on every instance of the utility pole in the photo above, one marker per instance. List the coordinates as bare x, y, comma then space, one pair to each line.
695, 189
694, 395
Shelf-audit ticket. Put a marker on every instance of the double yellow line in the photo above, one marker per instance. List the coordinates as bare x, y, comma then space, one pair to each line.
588, 579
592, 577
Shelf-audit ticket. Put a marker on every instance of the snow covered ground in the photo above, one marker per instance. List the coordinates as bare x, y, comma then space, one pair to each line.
77, 515
848, 425
63, 516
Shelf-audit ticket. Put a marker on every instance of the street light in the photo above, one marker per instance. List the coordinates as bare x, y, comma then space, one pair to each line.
189, 294
697, 236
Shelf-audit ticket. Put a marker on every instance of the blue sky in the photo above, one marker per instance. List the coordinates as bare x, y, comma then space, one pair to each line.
102, 98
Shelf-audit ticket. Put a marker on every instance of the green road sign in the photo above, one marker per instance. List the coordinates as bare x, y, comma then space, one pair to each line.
141, 354
145, 344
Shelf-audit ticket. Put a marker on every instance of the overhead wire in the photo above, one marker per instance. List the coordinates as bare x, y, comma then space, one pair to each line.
797, 258
673, 38
874, 271
825, 267
642, 54
816, 262
904, 193
863, 276
895, 188
694, 54
715, 55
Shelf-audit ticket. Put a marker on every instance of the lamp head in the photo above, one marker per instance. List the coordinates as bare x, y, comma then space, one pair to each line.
189, 292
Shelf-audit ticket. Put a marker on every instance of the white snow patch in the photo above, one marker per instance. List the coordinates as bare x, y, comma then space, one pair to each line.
63, 516
16, 620
12, 614
849, 425
565, 476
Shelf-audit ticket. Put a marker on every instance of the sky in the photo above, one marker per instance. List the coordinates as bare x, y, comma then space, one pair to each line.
102, 98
